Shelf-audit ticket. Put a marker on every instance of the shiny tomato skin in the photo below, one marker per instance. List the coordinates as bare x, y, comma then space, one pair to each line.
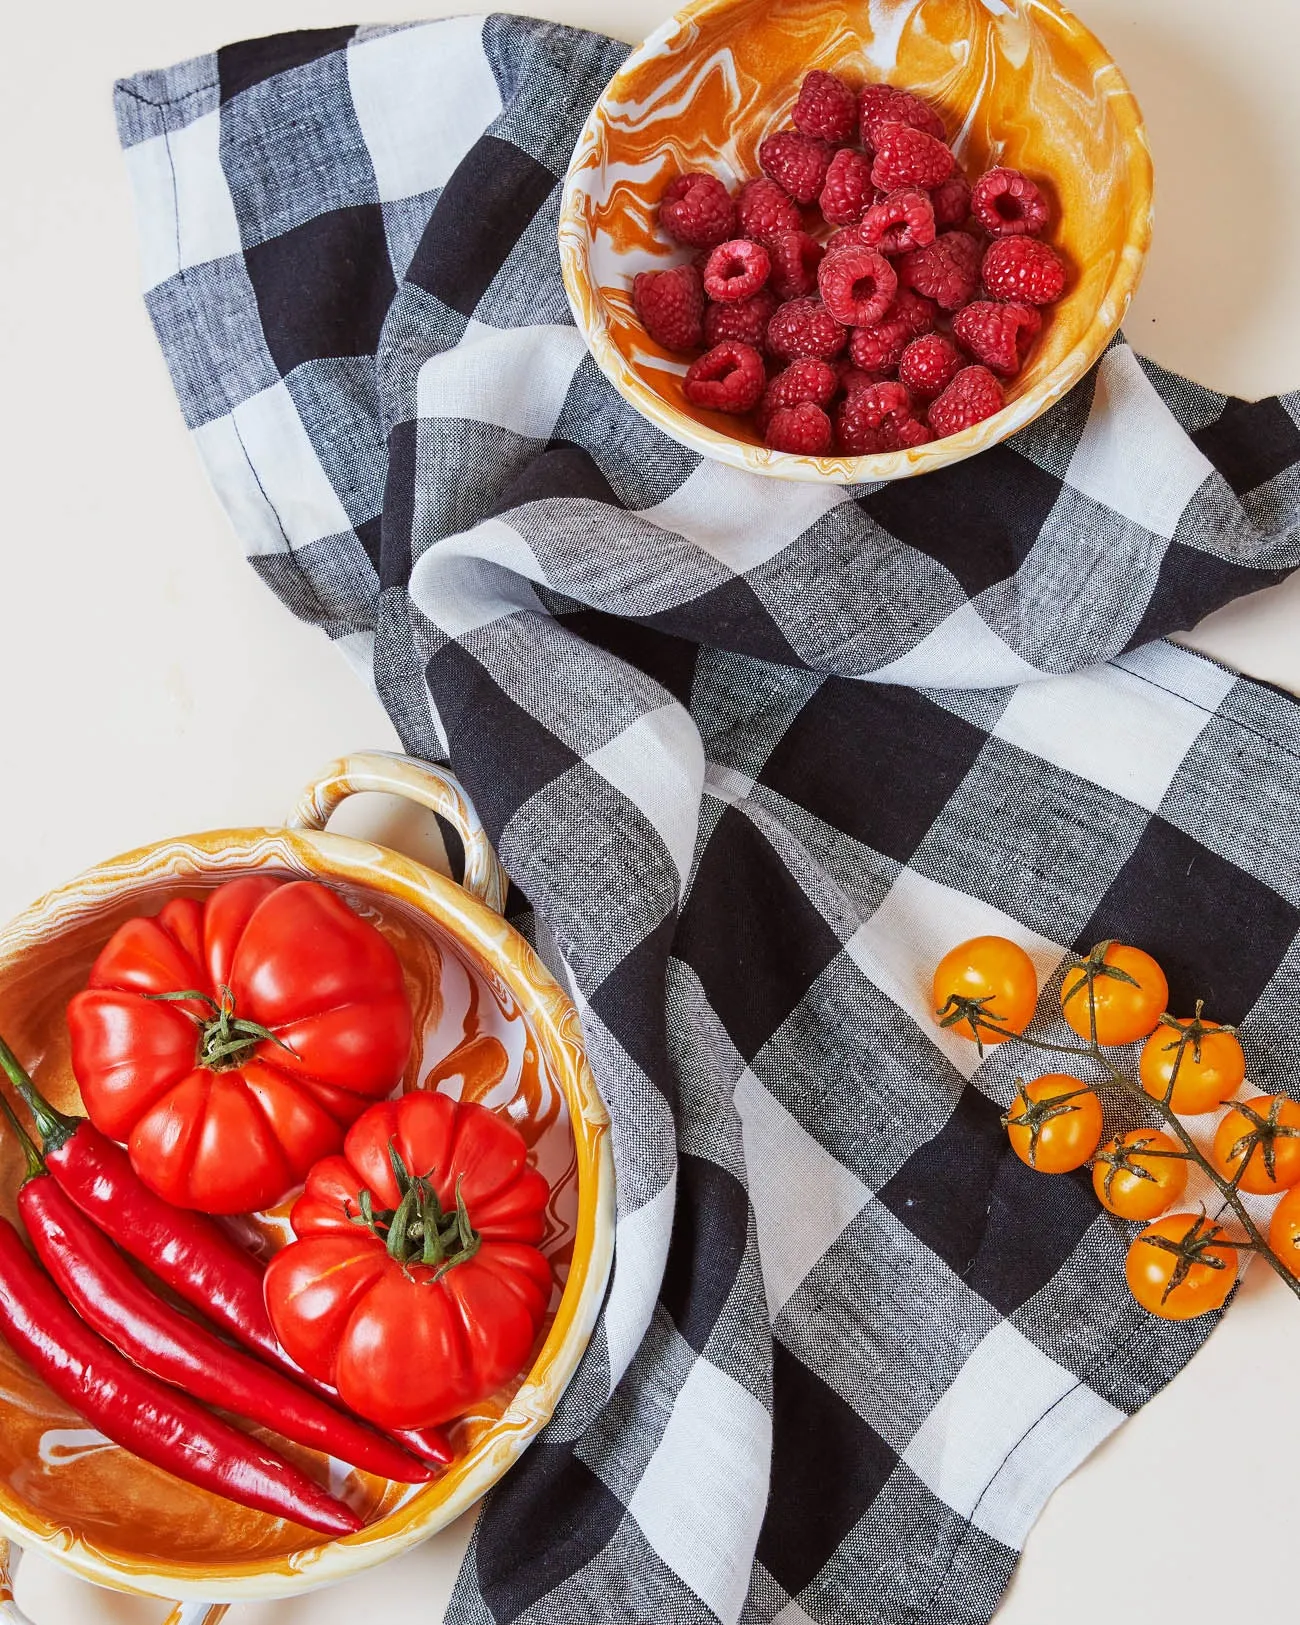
1065, 1142
1128, 1195
1201, 1085
1284, 1230
296, 960
992, 968
1149, 1270
1233, 1126
403, 1347
1124, 1013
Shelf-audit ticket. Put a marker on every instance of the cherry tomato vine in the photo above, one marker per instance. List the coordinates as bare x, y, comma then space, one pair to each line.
1181, 1264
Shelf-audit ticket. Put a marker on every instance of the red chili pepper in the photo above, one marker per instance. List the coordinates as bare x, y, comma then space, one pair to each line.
142, 1414
110, 1297
187, 1250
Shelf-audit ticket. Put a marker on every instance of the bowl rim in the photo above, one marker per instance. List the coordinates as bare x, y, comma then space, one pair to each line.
592, 322
487, 936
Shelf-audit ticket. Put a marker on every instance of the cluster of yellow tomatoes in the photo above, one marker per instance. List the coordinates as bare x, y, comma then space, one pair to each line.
1182, 1264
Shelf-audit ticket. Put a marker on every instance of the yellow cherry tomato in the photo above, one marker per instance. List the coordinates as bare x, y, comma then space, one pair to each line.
1264, 1135
1284, 1230
1210, 1062
988, 979
1054, 1123
1178, 1269
1139, 1174
1129, 989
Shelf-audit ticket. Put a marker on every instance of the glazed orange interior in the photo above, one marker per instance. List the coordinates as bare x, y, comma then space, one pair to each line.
67, 1474
1018, 82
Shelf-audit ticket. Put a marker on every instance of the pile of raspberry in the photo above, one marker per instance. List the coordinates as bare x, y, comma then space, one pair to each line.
861, 295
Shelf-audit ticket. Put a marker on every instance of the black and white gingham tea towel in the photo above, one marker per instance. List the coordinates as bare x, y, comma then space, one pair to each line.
756, 754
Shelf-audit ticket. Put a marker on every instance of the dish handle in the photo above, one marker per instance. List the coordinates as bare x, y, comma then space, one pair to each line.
184, 1613
434, 787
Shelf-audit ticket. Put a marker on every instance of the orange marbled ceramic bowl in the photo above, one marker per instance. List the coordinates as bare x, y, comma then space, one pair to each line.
1019, 82
109, 1516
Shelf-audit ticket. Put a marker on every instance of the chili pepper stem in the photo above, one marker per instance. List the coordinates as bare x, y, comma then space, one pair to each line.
35, 1162
54, 1126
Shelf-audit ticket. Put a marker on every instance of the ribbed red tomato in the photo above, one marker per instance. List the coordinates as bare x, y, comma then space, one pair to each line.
229, 1042
416, 1287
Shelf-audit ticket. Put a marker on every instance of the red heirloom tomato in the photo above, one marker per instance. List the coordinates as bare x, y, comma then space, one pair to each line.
416, 1287
229, 1043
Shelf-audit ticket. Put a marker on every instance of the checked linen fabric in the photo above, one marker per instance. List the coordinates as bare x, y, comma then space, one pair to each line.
755, 754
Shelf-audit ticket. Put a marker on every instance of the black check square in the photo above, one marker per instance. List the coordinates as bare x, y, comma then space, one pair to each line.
1004, 1229
753, 976
980, 518
1251, 443
541, 1528
1218, 932
475, 223
827, 1468
323, 288
511, 738
710, 1230
1191, 584
885, 737
241, 66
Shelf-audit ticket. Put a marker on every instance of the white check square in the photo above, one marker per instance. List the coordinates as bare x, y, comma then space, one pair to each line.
1109, 726
1006, 1432
422, 96
1133, 456
185, 213
658, 763
700, 1501
916, 924
802, 1197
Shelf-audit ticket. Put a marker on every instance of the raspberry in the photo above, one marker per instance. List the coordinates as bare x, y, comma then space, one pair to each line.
763, 211
744, 319
736, 270
847, 191
951, 201
797, 163
826, 107
908, 157
929, 364
883, 104
1008, 204
671, 306
804, 429
795, 258
807, 379
906, 432
904, 220
857, 286
1023, 269
973, 395
697, 210
947, 270
868, 419
879, 348
998, 335
846, 237
805, 327
728, 378
851, 377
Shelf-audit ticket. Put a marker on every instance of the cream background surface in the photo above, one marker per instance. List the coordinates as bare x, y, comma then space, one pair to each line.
150, 685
